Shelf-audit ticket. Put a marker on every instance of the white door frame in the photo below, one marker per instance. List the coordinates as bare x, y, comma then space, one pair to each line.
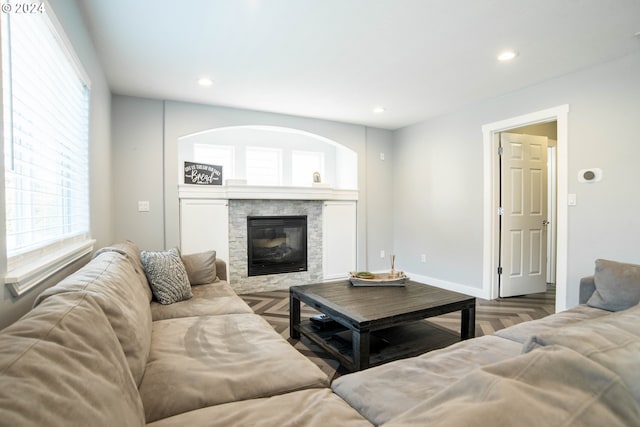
552, 204
491, 198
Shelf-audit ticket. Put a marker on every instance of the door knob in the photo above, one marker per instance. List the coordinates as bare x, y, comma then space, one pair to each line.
545, 222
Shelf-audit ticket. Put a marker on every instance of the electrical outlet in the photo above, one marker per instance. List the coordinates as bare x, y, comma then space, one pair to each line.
382, 254
423, 258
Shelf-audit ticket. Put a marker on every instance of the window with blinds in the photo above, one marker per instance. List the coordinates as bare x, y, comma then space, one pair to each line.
219, 155
46, 117
264, 166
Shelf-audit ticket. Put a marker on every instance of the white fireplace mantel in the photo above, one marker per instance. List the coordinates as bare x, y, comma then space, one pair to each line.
260, 192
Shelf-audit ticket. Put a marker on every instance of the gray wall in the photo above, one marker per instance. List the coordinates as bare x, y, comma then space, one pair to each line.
137, 131
99, 156
438, 170
145, 137
379, 207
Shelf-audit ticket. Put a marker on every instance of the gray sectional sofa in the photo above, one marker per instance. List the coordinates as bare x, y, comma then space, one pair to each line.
96, 350
579, 367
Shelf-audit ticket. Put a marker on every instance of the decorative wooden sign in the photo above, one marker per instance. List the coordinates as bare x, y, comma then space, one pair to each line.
202, 174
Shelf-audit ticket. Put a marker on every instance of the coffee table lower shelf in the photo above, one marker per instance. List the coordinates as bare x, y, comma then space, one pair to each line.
389, 344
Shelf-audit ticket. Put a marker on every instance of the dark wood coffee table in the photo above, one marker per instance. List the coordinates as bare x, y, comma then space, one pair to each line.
387, 317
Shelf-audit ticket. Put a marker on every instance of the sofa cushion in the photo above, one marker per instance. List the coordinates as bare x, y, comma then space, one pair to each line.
617, 285
553, 386
612, 341
522, 331
208, 360
201, 267
385, 391
131, 251
207, 300
167, 275
62, 365
309, 408
111, 280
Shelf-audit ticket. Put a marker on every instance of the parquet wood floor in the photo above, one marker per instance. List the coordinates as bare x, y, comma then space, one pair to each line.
491, 316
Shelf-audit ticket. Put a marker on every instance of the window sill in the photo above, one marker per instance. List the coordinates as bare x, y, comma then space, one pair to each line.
21, 280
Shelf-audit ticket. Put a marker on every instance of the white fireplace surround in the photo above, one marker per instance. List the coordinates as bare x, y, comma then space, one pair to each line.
214, 217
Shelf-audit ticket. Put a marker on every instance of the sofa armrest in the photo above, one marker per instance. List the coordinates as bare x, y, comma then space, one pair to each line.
587, 288
221, 269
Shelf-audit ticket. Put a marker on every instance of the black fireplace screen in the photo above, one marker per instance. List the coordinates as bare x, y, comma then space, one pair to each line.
276, 244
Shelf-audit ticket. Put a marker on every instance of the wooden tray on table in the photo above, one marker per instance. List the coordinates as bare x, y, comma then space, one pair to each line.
381, 279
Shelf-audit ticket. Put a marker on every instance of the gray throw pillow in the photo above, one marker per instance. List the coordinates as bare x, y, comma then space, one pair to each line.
617, 285
167, 275
201, 267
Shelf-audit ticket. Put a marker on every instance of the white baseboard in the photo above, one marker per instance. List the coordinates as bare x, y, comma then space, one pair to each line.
450, 286
438, 283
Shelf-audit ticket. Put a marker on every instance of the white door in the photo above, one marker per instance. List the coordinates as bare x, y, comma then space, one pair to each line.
523, 240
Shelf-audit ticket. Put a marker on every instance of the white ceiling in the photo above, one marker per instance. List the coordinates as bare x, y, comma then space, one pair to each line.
338, 59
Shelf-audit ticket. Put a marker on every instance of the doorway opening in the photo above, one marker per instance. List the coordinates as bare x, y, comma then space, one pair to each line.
491, 237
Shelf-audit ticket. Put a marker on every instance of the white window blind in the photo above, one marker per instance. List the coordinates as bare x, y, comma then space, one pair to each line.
219, 155
264, 166
46, 115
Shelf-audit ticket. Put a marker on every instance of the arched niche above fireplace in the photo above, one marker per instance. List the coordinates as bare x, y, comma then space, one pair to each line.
272, 156
215, 216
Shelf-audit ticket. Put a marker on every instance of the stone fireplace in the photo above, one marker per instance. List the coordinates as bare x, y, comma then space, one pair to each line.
276, 244
242, 212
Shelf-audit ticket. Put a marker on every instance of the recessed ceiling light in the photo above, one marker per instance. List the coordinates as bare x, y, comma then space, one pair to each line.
205, 81
507, 55
378, 110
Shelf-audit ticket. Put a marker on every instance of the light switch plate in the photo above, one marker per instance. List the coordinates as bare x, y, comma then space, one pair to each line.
571, 199
143, 206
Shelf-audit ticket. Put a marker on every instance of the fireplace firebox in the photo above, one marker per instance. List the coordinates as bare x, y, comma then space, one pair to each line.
276, 244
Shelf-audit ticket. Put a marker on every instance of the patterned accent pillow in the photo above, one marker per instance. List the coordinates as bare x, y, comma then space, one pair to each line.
167, 275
